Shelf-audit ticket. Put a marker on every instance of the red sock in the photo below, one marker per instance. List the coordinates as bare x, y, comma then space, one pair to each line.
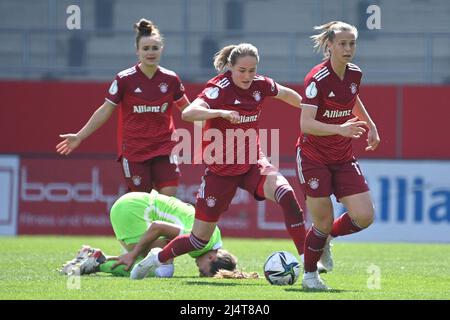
344, 225
293, 216
180, 245
315, 241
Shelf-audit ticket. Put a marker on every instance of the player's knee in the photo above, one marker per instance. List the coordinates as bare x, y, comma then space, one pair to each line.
365, 218
363, 221
324, 225
280, 179
197, 243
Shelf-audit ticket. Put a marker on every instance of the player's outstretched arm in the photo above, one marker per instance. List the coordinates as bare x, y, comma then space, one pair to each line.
72, 141
289, 96
157, 229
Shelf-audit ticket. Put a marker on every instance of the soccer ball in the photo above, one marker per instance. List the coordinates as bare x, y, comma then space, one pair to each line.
281, 268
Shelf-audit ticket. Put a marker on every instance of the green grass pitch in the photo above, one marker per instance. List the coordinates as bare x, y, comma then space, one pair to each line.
406, 271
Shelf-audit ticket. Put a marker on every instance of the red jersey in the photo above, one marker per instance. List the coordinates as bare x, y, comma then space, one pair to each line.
222, 93
334, 99
145, 117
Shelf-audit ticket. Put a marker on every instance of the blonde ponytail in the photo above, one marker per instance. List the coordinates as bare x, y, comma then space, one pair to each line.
235, 274
221, 57
327, 32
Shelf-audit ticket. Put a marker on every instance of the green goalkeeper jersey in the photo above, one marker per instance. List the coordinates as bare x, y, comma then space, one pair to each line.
132, 214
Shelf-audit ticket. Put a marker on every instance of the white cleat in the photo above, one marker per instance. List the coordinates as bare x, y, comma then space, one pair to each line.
312, 281
83, 252
146, 265
86, 262
325, 263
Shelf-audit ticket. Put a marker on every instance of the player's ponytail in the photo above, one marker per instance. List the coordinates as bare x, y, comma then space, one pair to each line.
235, 274
221, 57
327, 32
145, 28
228, 55
224, 267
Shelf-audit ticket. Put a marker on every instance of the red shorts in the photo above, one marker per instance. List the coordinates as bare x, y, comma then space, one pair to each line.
320, 180
216, 192
158, 172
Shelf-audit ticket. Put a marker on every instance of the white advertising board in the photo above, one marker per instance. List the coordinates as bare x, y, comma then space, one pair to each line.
9, 177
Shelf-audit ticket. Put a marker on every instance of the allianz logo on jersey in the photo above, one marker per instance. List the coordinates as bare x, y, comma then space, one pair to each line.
245, 119
144, 108
337, 113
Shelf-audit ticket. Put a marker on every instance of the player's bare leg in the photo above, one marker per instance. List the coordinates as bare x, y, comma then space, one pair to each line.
360, 211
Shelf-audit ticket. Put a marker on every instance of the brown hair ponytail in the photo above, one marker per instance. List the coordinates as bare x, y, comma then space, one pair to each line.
145, 28
221, 57
224, 267
235, 274
230, 54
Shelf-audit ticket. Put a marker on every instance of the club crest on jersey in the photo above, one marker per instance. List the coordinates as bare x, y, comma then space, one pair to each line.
163, 87
211, 201
353, 88
313, 183
113, 88
164, 107
311, 90
212, 93
136, 180
257, 96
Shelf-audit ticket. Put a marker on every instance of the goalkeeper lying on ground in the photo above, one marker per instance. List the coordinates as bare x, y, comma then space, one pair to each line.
142, 221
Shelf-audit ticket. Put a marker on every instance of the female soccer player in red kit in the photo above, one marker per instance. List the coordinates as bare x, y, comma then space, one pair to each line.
332, 115
232, 101
146, 93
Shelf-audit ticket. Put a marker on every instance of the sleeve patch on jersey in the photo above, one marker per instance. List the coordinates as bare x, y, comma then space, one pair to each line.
212, 93
273, 85
113, 88
311, 90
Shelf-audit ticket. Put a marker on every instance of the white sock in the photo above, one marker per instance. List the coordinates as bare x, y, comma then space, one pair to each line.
308, 275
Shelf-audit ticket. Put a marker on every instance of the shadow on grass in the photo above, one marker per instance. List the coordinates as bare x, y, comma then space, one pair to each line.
218, 284
319, 291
